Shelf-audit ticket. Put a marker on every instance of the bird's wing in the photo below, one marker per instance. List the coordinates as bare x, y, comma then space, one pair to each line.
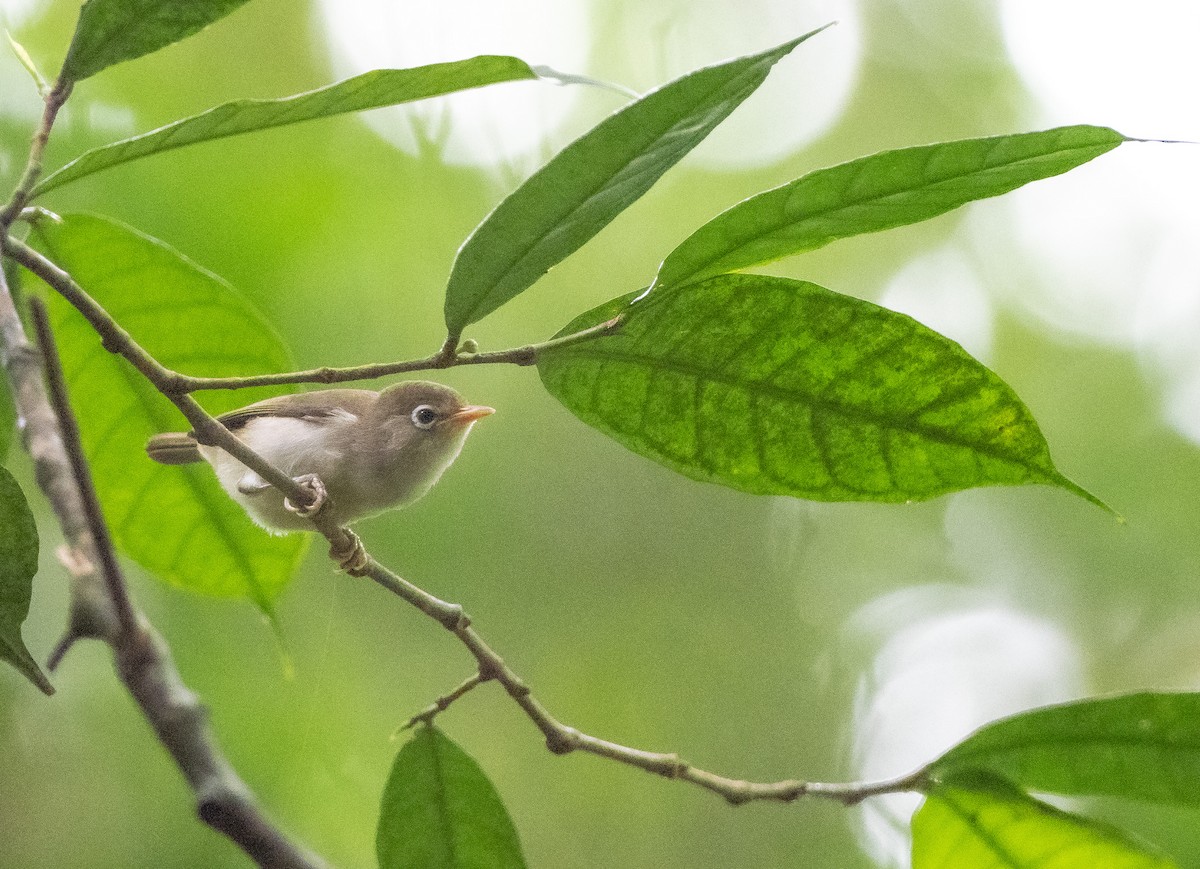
323, 406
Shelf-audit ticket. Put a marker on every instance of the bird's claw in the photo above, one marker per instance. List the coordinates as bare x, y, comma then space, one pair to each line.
350, 557
313, 484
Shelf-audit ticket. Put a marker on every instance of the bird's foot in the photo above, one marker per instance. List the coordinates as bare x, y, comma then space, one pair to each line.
311, 483
351, 557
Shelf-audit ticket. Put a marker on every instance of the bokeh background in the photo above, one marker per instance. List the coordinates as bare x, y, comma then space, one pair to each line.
759, 638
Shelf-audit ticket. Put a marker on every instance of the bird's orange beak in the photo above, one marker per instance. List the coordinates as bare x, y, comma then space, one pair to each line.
470, 413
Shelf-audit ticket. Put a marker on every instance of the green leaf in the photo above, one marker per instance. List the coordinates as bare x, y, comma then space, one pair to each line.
371, 90
591, 181
889, 189
781, 387
441, 812
983, 822
1142, 746
18, 564
112, 31
174, 521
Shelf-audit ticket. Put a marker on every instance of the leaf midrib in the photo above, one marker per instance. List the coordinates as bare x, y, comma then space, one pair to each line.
779, 225
525, 250
779, 393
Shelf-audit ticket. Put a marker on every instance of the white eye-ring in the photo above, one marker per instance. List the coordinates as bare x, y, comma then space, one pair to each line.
424, 416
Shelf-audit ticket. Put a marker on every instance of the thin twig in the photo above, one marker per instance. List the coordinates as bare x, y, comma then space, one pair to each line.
440, 705
69, 430
526, 355
54, 100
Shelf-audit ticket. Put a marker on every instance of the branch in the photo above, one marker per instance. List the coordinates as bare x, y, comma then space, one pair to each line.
54, 99
144, 664
118, 593
526, 355
346, 548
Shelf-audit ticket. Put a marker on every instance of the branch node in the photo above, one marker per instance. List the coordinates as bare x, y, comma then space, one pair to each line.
453, 617
563, 740
490, 669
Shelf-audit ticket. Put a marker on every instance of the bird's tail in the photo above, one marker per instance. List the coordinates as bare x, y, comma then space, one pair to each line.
173, 448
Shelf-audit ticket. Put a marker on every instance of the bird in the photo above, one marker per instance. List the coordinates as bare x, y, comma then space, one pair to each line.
367, 451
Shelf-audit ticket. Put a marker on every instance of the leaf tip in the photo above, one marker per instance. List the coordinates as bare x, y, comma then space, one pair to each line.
1064, 482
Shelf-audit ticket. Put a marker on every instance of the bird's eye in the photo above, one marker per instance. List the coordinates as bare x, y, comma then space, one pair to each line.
424, 416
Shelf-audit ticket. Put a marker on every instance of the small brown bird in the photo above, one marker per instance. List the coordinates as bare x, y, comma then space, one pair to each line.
373, 451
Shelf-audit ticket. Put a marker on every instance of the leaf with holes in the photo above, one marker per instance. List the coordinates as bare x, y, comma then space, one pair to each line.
18, 564
112, 31
1141, 746
781, 387
174, 521
885, 190
592, 180
371, 90
440, 812
983, 822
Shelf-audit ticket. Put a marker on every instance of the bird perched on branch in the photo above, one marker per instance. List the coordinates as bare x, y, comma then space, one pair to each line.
370, 451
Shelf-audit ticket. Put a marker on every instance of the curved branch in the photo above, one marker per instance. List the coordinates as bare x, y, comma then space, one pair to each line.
560, 738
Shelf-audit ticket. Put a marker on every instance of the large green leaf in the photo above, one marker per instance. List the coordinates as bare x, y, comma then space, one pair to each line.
111, 31
440, 812
174, 521
892, 188
781, 387
18, 564
371, 90
982, 822
591, 181
1144, 746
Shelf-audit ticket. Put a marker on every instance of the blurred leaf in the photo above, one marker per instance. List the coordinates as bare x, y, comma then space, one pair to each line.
18, 564
591, 181
174, 521
781, 387
112, 31
441, 812
371, 90
889, 189
1143, 746
982, 822
26, 61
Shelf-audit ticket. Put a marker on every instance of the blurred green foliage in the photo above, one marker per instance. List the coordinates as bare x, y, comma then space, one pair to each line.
641, 606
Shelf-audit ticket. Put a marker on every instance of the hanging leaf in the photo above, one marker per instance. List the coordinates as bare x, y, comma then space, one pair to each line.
174, 521
983, 822
18, 564
441, 812
591, 181
781, 387
112, 31
885, 190
371, 90
1141, 746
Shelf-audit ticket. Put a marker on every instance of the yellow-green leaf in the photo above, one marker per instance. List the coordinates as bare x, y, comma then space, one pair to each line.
983, 822
781, 387
174, 521
111, 31
371, 90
